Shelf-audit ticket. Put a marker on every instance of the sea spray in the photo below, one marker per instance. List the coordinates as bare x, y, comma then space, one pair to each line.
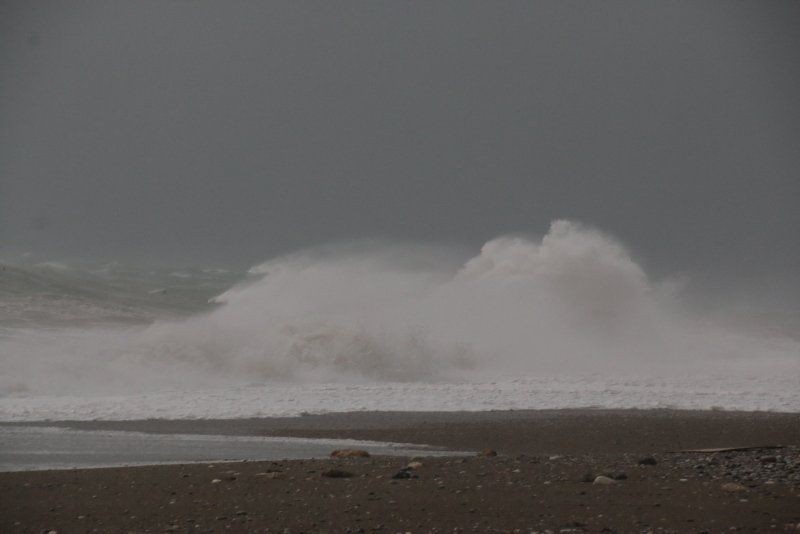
571, 303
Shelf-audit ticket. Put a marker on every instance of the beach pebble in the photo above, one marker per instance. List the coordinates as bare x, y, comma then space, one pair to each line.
733, 487
216, 481
404, 473
337, 473
273, 475
414, 465
350, 453
604, 480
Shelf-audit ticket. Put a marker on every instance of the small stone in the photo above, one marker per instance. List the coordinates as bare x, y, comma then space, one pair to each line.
604, 481
414, 465
402, 474
337, 473
733, 487
216, 481
648, 460
350, 453
272, 475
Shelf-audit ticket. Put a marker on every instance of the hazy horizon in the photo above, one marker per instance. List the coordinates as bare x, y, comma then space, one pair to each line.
231, 133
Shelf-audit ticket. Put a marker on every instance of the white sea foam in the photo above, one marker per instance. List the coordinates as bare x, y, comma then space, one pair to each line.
572, 314
284, 400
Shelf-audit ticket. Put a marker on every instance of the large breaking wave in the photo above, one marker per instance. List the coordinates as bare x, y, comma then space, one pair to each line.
571, 303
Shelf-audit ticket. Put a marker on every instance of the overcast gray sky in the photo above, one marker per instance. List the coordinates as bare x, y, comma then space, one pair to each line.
233, 131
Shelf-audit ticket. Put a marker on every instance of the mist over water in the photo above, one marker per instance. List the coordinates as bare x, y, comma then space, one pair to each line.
141, 143
572, 303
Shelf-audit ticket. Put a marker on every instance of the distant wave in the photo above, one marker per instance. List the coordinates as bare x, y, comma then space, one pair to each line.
51, 294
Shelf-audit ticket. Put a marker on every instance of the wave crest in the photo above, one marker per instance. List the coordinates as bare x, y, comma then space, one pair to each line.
574, 301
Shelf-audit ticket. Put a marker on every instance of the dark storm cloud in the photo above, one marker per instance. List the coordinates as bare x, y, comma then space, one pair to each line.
232, 131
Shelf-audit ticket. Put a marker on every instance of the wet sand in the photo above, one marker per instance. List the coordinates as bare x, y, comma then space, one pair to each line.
541, 478
509, 432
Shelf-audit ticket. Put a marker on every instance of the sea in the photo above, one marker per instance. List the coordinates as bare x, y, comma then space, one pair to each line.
565, 320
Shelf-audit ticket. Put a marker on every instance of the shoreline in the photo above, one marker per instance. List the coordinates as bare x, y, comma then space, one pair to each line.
541, 479
563, 431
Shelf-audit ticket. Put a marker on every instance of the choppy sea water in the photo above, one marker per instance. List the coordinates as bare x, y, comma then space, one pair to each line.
568, 320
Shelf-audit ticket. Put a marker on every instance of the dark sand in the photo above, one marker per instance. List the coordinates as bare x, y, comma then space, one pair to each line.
535, 483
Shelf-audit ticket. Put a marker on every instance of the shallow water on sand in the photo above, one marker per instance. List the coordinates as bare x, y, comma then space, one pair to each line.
40, 448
